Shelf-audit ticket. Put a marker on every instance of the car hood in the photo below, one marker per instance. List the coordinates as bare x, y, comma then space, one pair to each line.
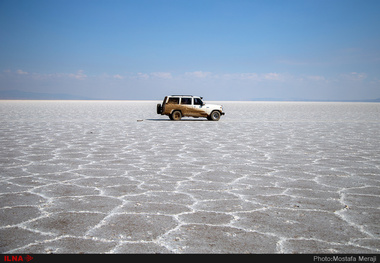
212, 105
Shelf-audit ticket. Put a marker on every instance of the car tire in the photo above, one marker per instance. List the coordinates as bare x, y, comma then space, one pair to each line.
159, 109
176, 115
215, 115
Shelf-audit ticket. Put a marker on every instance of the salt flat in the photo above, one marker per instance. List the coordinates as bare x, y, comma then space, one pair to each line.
114, 177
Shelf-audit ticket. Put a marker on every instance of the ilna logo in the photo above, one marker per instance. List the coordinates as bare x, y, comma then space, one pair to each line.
26, 258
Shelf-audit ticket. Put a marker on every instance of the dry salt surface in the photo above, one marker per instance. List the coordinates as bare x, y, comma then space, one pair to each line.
115, 177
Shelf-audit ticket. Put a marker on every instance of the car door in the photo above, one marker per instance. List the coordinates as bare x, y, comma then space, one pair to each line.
197, 106
186, 106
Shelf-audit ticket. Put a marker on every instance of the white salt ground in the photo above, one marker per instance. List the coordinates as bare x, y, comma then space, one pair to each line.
114, 177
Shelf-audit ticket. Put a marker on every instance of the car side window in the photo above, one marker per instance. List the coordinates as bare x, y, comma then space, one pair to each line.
197, 101
186, 101
173, 101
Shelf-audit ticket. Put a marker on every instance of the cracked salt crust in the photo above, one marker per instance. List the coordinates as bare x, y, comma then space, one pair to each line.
85, 177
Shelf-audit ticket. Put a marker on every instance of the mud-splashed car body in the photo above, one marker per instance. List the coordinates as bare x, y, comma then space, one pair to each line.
178, 106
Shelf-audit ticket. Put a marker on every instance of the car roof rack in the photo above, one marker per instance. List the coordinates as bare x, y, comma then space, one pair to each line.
186, 96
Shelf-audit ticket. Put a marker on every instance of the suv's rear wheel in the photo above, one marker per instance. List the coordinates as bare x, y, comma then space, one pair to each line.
176, 115
214, 116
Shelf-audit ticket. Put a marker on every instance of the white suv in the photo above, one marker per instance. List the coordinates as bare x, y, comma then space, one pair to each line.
178, 106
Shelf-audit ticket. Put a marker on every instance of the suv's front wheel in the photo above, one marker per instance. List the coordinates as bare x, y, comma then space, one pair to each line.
214, 116
176, 115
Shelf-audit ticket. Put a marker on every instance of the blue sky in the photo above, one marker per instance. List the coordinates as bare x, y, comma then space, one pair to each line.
218, 49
